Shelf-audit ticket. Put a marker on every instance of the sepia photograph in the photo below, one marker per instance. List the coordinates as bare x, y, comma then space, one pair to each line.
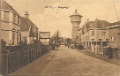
59, 37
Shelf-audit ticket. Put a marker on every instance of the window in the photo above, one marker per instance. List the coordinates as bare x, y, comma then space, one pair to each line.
107, 40
13, 36
103, 33
100, 40
89, 43
18, 20
24, 39
112, 38
6, 15
92, 33
14, 18
18, 37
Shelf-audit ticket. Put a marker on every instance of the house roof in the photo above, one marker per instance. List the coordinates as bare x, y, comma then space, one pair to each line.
96, 24
76, 14
8, 7
26, 24
114, 25
99, 24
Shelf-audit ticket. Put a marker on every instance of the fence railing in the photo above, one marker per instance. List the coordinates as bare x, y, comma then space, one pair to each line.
103, 50
15, 57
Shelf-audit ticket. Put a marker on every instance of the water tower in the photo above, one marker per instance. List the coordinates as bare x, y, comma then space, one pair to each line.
75, 20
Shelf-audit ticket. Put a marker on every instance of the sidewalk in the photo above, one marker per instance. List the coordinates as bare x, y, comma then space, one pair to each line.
36, 67
102, 57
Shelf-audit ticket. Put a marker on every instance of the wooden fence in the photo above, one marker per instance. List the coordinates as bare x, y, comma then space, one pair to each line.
15, 57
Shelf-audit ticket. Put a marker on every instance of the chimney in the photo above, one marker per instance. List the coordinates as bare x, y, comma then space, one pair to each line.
87, 20
26, 15
75, 10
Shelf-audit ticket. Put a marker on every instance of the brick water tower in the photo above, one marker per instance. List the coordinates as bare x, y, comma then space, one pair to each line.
75, 20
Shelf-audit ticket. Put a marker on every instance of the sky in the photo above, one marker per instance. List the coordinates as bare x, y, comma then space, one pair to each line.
48, 19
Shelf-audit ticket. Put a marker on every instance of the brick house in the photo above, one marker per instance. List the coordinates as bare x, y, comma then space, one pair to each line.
10, 24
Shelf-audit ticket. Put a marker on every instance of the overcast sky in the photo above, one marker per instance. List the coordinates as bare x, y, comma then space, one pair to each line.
48, 19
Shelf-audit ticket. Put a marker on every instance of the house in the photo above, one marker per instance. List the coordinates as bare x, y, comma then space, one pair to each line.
29, 31
114, 35
95, 36
10, 24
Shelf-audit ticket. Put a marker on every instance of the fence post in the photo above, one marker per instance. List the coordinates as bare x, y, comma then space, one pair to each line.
5, 64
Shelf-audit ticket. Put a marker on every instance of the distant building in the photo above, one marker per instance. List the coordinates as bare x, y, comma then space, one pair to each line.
75, 20
29, 31
10, 24
44, 37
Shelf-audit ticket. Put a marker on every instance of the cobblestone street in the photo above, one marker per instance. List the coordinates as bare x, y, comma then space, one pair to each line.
68, 62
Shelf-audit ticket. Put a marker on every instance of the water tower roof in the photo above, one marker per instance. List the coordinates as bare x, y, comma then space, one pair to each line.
76, 14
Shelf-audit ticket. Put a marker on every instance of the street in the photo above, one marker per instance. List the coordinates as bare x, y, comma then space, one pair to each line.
68, 62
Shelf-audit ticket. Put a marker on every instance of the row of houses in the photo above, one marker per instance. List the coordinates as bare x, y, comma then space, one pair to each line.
15, 32
14, 28
98, 35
